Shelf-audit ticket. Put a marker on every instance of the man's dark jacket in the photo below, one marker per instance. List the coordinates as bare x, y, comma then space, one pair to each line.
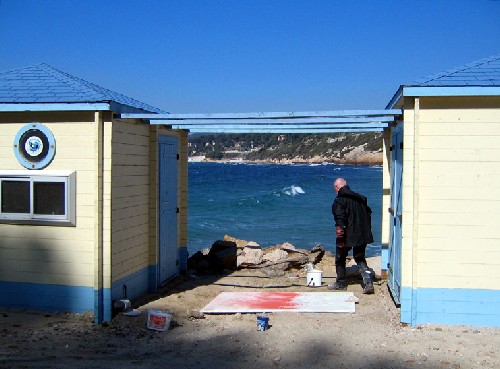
352, 213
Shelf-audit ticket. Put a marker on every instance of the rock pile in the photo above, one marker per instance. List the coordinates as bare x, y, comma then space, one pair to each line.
231, 253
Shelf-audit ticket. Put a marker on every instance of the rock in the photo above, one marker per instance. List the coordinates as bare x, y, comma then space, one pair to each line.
275, 255
222, 255
200, 263
239, 243
273, 272
316, 255
195, 314
232, 253
251, 255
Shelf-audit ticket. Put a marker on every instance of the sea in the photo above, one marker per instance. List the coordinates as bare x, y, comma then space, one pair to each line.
274, 203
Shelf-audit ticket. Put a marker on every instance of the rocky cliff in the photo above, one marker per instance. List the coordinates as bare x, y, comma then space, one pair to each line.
352, 148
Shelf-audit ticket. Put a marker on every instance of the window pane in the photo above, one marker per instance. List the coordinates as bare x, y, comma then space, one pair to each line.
49, 198
15, 197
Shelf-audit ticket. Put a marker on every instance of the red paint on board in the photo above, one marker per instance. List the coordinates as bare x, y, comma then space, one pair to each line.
267, 301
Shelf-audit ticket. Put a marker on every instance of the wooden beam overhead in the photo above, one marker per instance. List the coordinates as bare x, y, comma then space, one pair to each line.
263, 115
277, 122
277, 130
311, 121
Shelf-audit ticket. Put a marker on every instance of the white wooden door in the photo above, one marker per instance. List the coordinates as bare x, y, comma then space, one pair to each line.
167, 197
394, 266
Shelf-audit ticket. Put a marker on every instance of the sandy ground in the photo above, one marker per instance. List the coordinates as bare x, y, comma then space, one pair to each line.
372, 337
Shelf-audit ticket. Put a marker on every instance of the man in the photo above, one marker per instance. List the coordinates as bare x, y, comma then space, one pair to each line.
353, 229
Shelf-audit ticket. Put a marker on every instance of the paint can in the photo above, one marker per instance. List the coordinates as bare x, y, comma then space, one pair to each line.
262, 323
314, 278
158, 320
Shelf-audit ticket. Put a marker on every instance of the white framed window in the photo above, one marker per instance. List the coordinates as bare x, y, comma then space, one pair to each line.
47, 198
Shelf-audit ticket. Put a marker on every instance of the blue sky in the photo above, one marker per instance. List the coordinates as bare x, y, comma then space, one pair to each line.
215, 56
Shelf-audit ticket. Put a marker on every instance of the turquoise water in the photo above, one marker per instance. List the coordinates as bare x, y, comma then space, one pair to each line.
274, 203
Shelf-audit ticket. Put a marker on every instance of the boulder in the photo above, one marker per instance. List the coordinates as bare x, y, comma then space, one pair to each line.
222, 255
239, 243
232, 253
275, 255
250, 255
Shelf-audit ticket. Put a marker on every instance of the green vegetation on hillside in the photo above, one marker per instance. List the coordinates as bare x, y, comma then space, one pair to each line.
278, 147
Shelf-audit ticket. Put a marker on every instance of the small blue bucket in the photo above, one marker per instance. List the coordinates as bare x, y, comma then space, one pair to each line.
262, 323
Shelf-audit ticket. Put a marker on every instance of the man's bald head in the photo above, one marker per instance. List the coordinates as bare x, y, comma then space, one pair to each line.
339, 183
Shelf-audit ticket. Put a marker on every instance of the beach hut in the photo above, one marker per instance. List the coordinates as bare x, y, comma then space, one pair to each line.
443, 173
92, 206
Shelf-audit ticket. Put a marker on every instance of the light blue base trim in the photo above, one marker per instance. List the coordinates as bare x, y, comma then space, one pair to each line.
183, 258
132, 286
153, 278
102, 305
46, 297
450, 306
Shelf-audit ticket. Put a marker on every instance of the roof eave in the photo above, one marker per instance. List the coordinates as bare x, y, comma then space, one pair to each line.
395, 98
21, 107
415, 90
451, 91
72, 106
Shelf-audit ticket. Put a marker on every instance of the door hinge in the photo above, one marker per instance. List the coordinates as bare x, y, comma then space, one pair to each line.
178, 210
178, 156
401, 145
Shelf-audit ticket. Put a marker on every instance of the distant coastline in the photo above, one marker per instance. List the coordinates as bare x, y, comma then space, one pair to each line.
340, 148
361, 158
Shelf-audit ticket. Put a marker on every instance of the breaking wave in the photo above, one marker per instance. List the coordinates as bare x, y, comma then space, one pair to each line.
293, 190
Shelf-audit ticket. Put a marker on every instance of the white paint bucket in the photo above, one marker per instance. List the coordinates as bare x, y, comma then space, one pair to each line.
158, 320
314, 278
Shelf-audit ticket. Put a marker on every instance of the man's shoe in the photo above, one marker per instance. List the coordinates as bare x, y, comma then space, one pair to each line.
368, 289
338, 286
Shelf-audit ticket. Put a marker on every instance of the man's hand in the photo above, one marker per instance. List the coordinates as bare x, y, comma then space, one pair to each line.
340, 242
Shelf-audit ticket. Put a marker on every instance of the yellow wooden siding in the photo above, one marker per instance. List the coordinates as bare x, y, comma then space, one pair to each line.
407, 195
104, 260
68, 250
129, 198
62, 236
459, 197
153, 195
458, 273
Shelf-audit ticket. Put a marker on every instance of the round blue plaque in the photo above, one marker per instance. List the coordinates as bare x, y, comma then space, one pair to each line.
34, 146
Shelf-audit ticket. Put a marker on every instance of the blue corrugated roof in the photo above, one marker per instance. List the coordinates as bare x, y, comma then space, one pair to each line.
479, 78
484, 72
42, 83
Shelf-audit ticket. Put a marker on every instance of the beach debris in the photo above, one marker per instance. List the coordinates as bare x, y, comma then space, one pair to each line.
276, 255
132, 313
222, 255
196, 314
273, 272
232, 253
250, 255
352, 299
317, 253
